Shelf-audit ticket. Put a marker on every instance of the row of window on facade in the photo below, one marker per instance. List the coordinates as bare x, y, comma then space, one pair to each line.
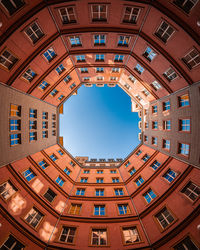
99, 12
164, 217
99, 236
15, 124
163, 32
183, 125
183, 101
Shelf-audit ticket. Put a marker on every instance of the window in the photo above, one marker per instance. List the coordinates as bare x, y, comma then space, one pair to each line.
155, 141
33, 217
53, 157
44, 134
127, 86
119, 58
113, 78
115, 70
184, 125
156, 85
12, 242
34, 32
72, 163
146, 125
149, 54
139, 97
68, 234
100, 58
124, 209
99, 180
44, 115
80, 58
191, 190
84, 70
50, 54
29, 75
67, 15
15, 139
99, 12
139, 181
7, 189
185, 244
166, 105
54, 92
87, 78
164, 32
44, 85
119, 191
183, 100
53, 124
145, 157
131, 235
61, 97
127, 164
29, 174
115, 180
99, 39
154, 109
192, 59
186, 5
33, 113
84, 180
132, 171
67, 171
75, 209
99, 237
43, 164
75, 41
99, 192
99, 210
167, 125
44, 125
99, 171
60, 181
73, 85
32, 136
170, 74
155, 165
131, 15
60, 69
15, 110
60, 152
86, 171
15, 125
170, 175
145, 92
164, 218
149, 195
139, 69
183, 149
50, 195
123, 41
154, 125
132, 78
166, 144
7, 59
80, 191
113, 171
67, 79
98, 70
138, 152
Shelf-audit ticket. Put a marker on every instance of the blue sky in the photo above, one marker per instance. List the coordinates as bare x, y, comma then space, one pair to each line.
98, 123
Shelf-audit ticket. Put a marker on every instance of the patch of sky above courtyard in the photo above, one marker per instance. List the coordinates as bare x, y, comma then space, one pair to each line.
98, 123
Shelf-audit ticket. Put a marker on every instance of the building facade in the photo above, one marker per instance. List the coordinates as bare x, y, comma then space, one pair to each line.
51, 200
